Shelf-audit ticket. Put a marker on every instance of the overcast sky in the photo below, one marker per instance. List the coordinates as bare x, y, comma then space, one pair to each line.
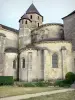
52, 10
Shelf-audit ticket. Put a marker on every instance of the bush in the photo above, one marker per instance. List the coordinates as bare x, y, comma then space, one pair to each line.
33, 84
40, 84
29, 84
6, 80
70, 77
37, 80
57, 82
61, 83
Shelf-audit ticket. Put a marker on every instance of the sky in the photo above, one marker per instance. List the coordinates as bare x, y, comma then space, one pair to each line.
52, 10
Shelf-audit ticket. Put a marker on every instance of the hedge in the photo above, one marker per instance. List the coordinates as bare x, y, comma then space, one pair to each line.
62, 83
70, 77
33, 84
6, 80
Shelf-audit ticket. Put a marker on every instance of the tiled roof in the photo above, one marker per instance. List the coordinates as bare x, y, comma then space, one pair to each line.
9, 28
69, 14
32, 9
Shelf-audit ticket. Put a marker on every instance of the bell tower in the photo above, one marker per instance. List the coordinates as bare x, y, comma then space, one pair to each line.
24, 31
29, 21
34, 16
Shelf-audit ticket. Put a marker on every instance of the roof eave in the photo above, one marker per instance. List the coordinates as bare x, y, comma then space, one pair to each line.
69, 14
25, 18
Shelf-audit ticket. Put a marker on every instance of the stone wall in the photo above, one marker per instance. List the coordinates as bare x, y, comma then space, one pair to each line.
24, 37
69, 29
23, 23
33, 73
35, 20
66, 63
8, 65
73, 61
11, 39
48, 32
2, 57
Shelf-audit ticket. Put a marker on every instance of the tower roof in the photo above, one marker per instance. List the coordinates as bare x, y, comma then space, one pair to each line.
25, 17
32, 9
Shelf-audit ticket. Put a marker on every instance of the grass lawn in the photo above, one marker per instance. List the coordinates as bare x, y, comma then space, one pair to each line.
60, 96
14, 90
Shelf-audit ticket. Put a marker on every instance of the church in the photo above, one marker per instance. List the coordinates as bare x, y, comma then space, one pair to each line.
38, 51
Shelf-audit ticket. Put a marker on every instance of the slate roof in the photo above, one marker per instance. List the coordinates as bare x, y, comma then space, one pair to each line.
32, 9
69, 14
9, 28
25, 17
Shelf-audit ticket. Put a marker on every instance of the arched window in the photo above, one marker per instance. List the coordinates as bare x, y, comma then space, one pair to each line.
54, 60
30, 16
14, 64
26, 22
23, 66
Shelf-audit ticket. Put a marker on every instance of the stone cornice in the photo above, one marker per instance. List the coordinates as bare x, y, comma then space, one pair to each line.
11, 50
59, 41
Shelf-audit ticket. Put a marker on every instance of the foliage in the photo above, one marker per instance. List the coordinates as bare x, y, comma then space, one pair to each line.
29, 84
61, 83
70, 77
6, 80
34, 84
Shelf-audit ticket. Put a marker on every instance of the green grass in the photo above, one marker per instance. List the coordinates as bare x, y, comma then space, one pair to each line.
59, 96
14, 90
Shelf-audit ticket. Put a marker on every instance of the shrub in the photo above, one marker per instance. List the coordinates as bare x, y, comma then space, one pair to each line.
57, 82
29, 84
61, 83
37, 80
33, 84
70, 77
40, 84
6, 80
